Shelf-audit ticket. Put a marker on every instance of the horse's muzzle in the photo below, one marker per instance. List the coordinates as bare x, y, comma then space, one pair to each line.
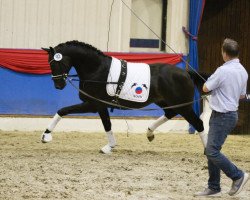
59, 84
59, 87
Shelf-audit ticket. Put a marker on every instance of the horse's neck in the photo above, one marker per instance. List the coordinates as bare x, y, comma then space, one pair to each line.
88, 62
94, 67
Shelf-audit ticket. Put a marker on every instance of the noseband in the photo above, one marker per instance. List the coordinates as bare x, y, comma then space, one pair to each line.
64, 76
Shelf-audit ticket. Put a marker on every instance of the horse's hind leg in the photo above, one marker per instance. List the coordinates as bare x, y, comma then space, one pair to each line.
104, 115
169, 113
150, 132
78, 108
188, 113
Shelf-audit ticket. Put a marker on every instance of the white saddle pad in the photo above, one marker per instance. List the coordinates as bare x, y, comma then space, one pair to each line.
137, 84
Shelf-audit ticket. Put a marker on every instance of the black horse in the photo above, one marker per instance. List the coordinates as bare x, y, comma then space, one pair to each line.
169, 86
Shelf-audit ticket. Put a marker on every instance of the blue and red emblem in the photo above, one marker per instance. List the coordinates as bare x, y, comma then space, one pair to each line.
138, 90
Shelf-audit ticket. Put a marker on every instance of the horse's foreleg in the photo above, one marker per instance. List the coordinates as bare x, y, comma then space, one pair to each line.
104, 115
78, 108
46, 136
205, 116
203, 136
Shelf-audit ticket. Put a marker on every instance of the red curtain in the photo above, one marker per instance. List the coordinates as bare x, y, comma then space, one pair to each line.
25, 60
148, 58
36, 61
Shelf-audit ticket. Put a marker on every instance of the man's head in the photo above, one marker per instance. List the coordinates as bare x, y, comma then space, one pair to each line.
230, 49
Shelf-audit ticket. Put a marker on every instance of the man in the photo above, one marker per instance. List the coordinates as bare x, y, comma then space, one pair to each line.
227, 85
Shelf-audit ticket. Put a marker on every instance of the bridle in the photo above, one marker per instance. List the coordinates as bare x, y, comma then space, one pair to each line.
57, 58
64, 76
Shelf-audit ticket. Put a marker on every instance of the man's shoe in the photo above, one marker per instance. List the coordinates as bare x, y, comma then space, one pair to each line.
238, 185
208, 193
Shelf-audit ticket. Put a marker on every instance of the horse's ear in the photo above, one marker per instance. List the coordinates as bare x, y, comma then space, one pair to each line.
52, 50
46, 49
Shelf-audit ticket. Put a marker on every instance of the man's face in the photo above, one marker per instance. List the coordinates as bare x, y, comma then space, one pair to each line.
224, 55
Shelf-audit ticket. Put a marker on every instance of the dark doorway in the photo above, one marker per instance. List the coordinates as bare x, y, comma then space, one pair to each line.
164, 24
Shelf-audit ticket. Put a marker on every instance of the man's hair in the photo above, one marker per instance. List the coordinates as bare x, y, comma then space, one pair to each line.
230, 47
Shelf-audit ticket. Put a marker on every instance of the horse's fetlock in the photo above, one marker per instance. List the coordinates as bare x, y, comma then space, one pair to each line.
47, 131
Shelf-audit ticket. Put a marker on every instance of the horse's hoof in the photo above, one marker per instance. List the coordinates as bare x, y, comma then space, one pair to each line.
151, 138
106, 149
46, 137
150, 135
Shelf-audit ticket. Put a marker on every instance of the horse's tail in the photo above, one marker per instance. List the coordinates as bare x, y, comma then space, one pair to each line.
199, 78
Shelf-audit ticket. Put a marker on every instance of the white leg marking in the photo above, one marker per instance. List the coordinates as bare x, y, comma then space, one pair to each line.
106, 149
111, 139
150, 132
203, 136
47, 137
54, 122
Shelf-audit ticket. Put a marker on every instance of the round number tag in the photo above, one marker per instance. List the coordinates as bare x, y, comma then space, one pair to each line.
58, 57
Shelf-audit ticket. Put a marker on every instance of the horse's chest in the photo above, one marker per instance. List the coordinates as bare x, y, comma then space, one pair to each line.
137, 84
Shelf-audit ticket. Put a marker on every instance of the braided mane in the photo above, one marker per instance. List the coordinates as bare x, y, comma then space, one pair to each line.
76, 43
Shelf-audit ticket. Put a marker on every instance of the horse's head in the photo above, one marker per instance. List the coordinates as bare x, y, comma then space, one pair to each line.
60, 66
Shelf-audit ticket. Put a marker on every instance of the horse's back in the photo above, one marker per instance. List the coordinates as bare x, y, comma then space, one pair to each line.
173, 83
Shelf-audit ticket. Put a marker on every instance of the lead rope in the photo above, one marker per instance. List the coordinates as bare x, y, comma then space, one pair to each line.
129, 108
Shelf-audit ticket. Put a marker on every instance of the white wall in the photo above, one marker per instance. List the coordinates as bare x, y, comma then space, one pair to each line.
42, 23
37, 23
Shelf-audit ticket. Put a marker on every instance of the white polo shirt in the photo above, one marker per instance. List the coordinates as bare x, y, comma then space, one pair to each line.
227, 83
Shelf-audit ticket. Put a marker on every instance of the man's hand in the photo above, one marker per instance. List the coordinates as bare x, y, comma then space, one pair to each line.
204, 88
242, 96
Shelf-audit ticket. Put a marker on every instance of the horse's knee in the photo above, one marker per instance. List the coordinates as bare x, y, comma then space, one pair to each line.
79, 108
63, 112
68, 110
169, 114
107, 126
104, 115
200, 126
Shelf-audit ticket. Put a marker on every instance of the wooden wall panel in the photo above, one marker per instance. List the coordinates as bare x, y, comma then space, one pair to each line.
226, 19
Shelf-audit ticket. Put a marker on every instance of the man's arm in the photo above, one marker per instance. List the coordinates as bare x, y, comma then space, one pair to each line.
213, 81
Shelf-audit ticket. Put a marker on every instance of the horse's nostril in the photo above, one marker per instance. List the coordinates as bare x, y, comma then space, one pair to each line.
58, 87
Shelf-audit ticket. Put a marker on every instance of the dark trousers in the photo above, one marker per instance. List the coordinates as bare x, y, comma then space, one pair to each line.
220, 125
